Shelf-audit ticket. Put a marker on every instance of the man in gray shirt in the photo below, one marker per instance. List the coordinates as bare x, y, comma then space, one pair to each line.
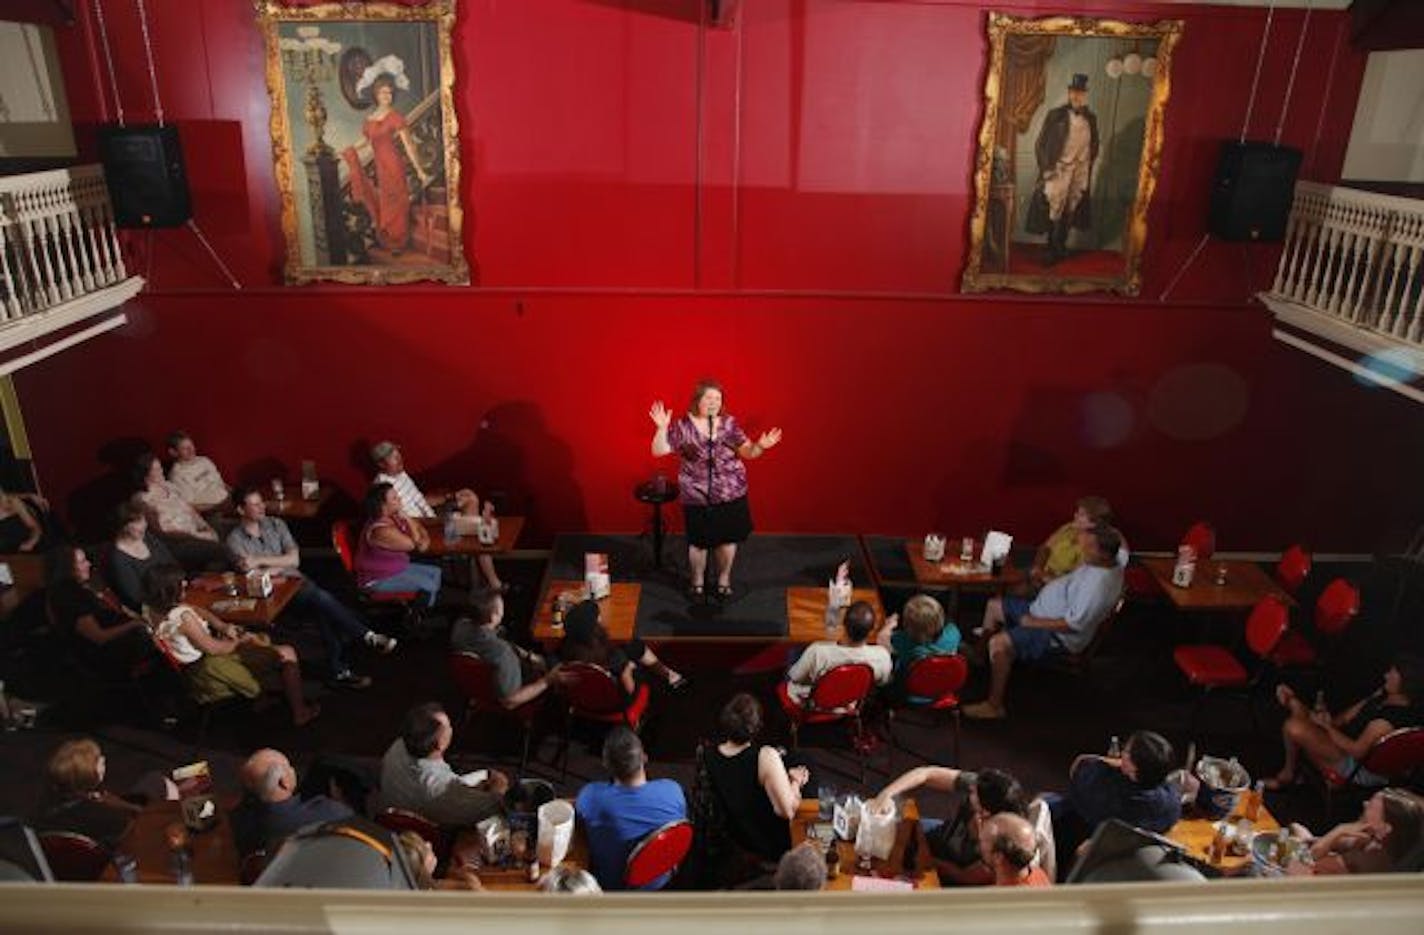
415, 776
478, 633
261, 542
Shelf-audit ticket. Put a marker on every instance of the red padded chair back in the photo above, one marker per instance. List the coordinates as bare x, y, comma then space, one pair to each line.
73, 858
592, 689
842, 689
658, 853
474, 678
936, 677
344, 542
1337, 606
400, 819
1269, 620
1202, 538
1397, 755
1293, 568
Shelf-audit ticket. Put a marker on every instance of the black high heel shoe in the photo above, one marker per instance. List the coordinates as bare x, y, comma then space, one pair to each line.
696, 594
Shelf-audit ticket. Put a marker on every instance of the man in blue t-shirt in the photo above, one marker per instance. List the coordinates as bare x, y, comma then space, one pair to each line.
618, 814
1062, 618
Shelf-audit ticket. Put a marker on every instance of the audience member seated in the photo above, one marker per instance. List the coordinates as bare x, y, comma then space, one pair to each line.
219, 660
273, 807
415, 776
195, 477
1340, 741
387, 542
76, 799
801, 868
926, 633
24, 522
478, 633
188, 536
824, 655
954, 843
1061, 619
566, 878
1389, 829
747, 790
132, 553
421, 857
585, 640
262, 542
1060, 552
618, 814
1133, 788
390, 469
1009, 847
110, 641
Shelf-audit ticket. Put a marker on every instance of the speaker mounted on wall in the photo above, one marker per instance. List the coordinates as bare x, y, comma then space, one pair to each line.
1252, 194
143, 165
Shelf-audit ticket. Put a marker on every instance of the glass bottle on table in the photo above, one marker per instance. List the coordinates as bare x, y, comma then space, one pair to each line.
451, 529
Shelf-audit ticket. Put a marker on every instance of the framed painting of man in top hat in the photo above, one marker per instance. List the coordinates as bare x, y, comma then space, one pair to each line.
1068, 153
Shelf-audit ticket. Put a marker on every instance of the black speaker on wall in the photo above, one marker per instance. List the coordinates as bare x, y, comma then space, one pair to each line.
144, 168
1251, 197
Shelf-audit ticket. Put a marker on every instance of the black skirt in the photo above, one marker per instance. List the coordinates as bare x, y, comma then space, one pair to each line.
717, 524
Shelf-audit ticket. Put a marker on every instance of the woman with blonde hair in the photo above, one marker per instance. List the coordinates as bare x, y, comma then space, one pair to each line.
76, 799
926, 632
421, 857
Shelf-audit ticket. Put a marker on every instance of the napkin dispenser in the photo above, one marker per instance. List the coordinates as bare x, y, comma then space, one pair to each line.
934, 548
259, 584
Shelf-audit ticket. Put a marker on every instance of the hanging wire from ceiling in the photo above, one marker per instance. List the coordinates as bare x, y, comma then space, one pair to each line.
1256, 79
1290, 85
148, 54
109, 59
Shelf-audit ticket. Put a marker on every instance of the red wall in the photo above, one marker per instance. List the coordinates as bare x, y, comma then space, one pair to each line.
804, 244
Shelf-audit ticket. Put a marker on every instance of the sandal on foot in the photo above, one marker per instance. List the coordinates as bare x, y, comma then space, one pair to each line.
724, 592
696, 593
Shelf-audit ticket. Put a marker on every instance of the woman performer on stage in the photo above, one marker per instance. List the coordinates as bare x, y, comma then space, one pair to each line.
712, 480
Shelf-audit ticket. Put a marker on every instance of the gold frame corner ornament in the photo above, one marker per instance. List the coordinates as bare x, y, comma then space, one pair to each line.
270, 14
999, 27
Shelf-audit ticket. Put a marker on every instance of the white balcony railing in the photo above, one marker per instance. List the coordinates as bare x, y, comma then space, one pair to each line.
59, 253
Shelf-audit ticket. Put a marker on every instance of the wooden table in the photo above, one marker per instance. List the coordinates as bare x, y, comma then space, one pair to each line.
214, 852
466, 851
1196, 834
808, 814
806, 613
210, 593
618, 612
1245, 584
946, 574
509, 529
297, 507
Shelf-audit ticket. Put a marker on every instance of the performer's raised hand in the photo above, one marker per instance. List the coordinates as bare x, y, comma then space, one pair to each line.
660, 415
769, 439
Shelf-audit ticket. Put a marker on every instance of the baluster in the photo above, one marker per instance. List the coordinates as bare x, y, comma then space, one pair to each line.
120, 271
54, 263
1343, 262
1392, 306
1320, 280
1409, 330
1308, 246
12, 307
78, 270
93, 246
1293, 224
94, 222
34, 268
70, 284
75, 219
1358, 306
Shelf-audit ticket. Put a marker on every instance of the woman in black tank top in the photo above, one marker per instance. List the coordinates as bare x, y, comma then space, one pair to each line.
1340, 741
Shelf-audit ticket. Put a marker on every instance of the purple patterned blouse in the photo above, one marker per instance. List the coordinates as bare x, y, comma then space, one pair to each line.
729, 473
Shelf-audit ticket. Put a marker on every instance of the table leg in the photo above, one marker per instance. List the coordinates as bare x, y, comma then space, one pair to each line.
658, 536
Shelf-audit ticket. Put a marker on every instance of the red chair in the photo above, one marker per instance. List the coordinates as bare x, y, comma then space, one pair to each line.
397, 820
1202, 538
1215, 668
1397, 757
474, 678
1293, 568
593, 694
73, 858
932, 683
1335, 609
839, 694
662, 851
409, 603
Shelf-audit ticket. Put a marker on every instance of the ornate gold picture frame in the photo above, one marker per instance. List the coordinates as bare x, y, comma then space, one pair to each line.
364, 140
1068, 153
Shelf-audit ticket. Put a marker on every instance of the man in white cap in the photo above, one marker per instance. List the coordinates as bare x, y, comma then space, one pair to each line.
390, 468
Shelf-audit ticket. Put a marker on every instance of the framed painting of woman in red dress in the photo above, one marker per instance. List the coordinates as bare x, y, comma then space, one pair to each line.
364, 140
